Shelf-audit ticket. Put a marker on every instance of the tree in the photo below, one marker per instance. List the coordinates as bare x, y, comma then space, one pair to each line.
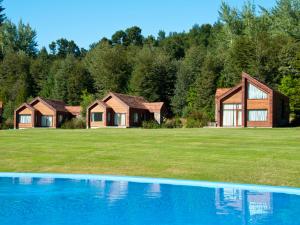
189, 69
69, 79
15, 80
134, 36
120, 37
19, 38
109, 67
2, 15
86, 100
62, 47
153, 75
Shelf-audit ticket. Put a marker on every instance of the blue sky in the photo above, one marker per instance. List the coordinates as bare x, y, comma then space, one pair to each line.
87, 21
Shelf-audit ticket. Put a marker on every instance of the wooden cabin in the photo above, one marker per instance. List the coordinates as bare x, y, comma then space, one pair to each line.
251, 104
119, 110
41, 112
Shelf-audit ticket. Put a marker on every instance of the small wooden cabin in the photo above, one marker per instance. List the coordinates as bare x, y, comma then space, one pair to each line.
119, 110
251, 104
41, 112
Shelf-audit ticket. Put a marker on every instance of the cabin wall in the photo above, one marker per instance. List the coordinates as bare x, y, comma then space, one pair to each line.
96, 108
25, 111
142, 116
236, 98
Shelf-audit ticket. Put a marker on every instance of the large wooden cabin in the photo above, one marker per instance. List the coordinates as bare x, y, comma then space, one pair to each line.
251, 104
41, 112
119, 110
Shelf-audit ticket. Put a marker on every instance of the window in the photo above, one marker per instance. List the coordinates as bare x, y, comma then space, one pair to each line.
108, 117
46, 121
120, 119
25, 118
258, 115
97, 117
255, 93
135, 117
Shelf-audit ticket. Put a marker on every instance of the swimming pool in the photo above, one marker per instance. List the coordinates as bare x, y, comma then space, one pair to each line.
48, 199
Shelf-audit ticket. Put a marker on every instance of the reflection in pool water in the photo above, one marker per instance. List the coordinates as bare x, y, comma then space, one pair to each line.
48, 201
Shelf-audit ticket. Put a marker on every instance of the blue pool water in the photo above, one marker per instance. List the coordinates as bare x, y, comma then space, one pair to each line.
96, 200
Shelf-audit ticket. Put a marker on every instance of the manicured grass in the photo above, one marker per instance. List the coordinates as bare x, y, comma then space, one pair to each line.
259, 156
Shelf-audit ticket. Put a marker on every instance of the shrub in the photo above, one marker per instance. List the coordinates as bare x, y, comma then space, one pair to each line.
172, 123
150, 124
197, 119
8, 124
75, 123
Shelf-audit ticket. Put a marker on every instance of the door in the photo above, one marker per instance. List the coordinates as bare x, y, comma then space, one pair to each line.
120, 119
46, 121
232, 115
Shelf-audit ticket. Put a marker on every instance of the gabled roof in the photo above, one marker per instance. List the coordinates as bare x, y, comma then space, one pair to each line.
99, 102
129, 100
25, 105
229, 91
154, 106
74, 110
221, 91
56, 105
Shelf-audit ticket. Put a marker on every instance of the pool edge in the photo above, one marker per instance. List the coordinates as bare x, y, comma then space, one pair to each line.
168, 181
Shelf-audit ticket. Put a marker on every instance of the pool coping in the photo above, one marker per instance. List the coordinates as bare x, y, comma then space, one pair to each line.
168, 181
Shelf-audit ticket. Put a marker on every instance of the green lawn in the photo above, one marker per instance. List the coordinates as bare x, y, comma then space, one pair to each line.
260, 156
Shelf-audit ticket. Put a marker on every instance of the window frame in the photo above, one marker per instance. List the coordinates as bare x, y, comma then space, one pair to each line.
27, 115
49, 116
93, 118
249, 110
258, 89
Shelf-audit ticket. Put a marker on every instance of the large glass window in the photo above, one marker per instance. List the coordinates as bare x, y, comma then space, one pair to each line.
47, 121
25, 118
120, 119
97, 116
255, 93
258, 115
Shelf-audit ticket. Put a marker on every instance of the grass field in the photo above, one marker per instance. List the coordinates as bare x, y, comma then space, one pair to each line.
259, 156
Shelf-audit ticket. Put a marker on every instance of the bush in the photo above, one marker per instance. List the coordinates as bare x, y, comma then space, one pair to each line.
150, 124
197, 119
8, 124
172, 123
75, 123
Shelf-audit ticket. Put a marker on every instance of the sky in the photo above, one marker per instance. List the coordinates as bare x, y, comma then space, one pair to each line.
88, 21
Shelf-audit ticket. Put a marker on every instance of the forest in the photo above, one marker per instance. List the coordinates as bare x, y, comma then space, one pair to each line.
183, 69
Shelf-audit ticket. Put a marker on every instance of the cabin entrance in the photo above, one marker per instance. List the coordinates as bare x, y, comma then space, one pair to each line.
232, 115
120, 119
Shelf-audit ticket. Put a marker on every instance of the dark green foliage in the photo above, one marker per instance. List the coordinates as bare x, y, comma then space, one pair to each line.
153, 75
151, 124
75, 123
63, 47
86, 100
2, 15
172, 123
197, 119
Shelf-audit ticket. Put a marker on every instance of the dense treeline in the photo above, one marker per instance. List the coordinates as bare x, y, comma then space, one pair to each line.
182, 69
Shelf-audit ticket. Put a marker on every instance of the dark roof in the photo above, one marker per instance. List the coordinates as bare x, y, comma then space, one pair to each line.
56, 104
132, 101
